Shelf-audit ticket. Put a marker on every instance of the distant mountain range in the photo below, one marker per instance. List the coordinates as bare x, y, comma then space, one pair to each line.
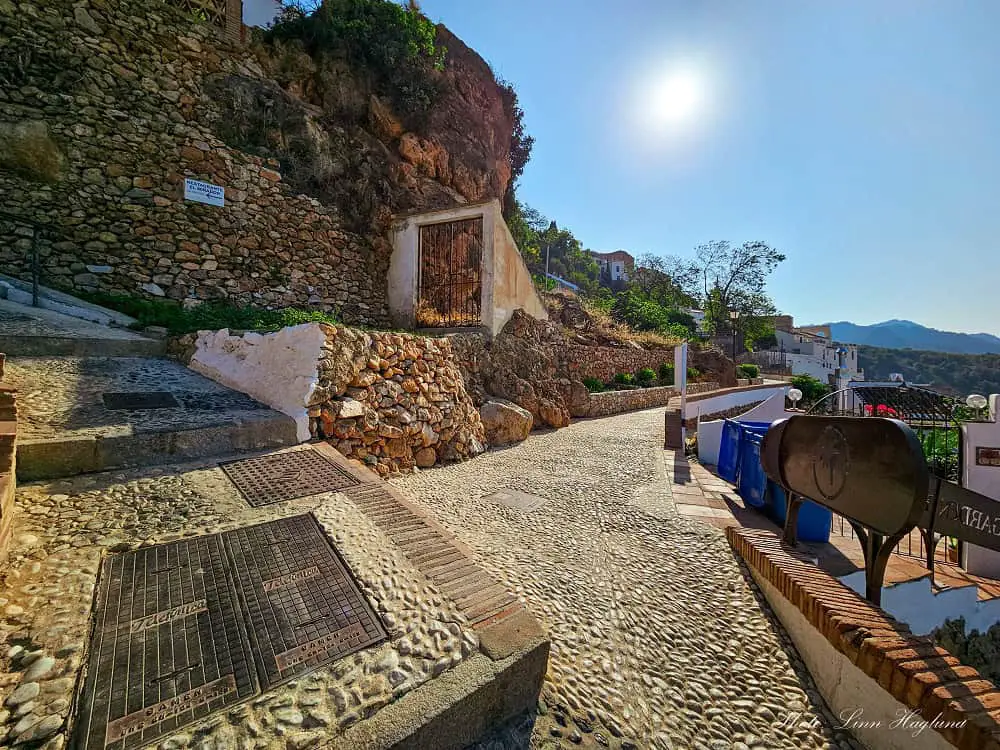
905, 334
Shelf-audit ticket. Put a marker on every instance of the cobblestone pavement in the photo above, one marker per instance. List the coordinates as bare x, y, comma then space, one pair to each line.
63, 527
658, 638
60, 397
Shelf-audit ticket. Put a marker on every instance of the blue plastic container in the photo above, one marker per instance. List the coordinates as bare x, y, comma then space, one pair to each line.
814, 520
752, 481
729, 450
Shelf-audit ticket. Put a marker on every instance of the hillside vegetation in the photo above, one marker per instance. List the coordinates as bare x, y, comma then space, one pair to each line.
955, 374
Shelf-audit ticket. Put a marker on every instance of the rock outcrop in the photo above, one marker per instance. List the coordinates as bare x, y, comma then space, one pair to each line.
107, 106
505, 422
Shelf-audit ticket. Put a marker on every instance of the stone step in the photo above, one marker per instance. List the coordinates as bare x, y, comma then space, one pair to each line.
27, 331
66, 426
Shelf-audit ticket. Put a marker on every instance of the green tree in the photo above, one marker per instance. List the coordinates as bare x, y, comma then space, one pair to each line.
812, 389
734, 279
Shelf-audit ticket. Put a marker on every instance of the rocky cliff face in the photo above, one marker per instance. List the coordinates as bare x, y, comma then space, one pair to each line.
106, 106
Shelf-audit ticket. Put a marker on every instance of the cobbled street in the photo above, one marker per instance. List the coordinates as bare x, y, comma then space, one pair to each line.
658, 640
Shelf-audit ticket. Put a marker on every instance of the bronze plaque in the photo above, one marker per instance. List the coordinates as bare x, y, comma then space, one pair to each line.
987, 456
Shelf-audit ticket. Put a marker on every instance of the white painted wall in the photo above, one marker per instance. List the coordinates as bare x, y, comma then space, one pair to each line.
984, 480
846, 688
727, 401
278, 369
505, 278
922, 608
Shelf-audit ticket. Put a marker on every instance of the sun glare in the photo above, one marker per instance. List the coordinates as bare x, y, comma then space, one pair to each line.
678, 98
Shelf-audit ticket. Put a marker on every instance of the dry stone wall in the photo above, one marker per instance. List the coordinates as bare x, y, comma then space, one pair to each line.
532, 364
393, 401
103, 114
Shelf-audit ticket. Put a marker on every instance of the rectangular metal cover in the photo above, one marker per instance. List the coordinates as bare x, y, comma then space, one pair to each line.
277, 477
140, 400
186, 628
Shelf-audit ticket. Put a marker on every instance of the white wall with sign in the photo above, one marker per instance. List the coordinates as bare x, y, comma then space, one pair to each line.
982, 476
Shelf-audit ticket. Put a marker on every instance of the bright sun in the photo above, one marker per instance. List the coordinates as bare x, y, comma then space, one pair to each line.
677, 99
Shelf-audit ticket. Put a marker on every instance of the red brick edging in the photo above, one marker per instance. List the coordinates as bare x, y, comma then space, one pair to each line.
916, 672
8, 436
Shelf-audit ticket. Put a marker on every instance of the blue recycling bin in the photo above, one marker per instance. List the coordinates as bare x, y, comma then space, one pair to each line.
814, 520
729, 450
751, 481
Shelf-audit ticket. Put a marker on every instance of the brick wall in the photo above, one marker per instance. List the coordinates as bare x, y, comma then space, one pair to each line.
925, 678
8, 434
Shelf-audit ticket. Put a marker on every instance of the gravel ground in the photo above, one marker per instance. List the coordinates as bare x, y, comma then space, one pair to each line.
658, 638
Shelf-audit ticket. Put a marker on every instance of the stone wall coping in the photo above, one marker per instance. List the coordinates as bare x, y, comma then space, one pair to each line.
724, 391
916, 672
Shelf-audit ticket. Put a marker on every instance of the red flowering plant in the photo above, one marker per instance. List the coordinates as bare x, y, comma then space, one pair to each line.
881, 410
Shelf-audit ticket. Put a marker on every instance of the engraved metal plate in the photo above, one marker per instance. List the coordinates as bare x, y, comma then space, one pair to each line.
167, 647
140, 400
191, 627
303, 607
286, 476
517, 499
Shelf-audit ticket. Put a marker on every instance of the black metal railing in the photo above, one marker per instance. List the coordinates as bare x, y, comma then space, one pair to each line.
36, 230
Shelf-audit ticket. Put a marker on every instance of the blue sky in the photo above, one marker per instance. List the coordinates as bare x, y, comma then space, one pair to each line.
860, 137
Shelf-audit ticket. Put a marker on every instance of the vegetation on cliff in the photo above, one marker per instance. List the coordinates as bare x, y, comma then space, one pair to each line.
723, 279
395, 43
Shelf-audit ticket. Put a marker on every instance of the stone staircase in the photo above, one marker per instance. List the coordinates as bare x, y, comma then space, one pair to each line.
94, 397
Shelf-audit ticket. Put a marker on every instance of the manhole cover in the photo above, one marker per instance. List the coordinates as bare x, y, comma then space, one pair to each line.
167, 648
303, 607
286, 476
517, 499
141, 400
188, 628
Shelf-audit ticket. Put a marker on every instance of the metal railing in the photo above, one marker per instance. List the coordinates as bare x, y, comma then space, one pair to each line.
36, 229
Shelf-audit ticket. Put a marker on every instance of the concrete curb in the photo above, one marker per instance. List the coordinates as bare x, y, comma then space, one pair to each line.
67, 346
51, 459
454, 710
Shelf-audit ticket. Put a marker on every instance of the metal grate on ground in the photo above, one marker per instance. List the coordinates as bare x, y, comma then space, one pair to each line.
190, 627
138, 400
477, 595
303, 607
277, 477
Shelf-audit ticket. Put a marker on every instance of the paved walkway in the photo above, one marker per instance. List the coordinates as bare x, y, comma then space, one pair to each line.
658, 640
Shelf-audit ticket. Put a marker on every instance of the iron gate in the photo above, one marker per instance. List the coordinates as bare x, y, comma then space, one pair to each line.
450, 285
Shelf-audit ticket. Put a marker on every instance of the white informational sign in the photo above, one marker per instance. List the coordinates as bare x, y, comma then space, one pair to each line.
681, 368
204, 192
681, 382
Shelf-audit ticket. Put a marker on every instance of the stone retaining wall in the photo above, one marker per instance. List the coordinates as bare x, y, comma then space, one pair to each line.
533, 364
393, 401
103, 122
604, 362
616, 402
8, 438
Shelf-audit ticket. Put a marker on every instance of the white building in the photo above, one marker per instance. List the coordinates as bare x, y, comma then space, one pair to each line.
812, 351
